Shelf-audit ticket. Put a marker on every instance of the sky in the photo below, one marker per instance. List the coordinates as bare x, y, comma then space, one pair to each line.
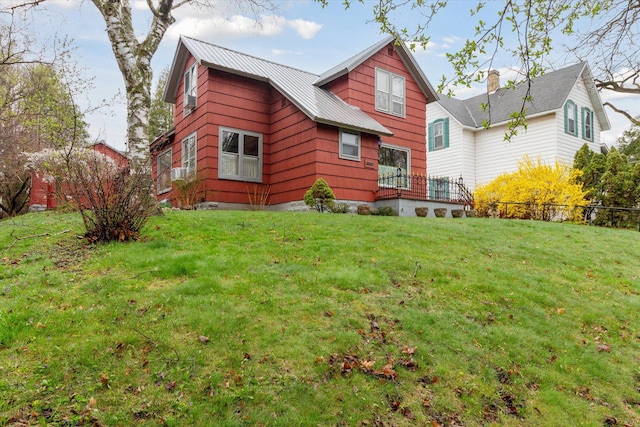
299, 33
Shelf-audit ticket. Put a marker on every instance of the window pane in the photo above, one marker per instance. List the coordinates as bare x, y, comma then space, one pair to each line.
382, 81
250, 145
349, 144
393, 158
398, 106
250, 167
350, 150
229, 164
398, 86
382, 101
230, 142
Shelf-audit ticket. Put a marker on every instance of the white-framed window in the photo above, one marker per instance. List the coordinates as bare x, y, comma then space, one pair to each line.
438, 134
393, 161
587, 124
190, 89
164, 172
390, 93
189, 150
571, 118
349, 145
240, 155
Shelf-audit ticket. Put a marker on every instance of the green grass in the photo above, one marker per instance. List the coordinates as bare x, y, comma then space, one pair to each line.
281, 319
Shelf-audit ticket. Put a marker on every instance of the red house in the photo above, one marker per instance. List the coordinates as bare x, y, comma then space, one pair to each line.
242, 122
43, 193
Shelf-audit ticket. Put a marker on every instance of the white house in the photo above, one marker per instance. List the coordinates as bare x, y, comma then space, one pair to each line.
565, 112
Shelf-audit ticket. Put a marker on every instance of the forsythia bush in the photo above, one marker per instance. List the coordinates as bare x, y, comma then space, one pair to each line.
537, 186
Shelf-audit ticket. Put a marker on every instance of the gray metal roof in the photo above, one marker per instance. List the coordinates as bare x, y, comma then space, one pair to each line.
318, 104
549, 92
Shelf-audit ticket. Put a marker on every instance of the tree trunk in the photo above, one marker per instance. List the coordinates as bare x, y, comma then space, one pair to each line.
134, 60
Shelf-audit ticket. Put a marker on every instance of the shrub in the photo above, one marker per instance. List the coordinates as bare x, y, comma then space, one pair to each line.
340, 208
364, 210
384, 211
114, 201
536, 187
188, 189
319, 196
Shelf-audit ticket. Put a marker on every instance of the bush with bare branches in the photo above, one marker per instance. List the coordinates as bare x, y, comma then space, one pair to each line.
114, 201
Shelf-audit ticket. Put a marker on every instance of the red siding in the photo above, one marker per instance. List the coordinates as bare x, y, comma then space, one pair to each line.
296, 150
358, 89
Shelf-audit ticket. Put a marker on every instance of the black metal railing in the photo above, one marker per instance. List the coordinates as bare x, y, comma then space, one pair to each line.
421, 187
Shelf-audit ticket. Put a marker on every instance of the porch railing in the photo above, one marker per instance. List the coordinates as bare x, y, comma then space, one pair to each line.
421, 187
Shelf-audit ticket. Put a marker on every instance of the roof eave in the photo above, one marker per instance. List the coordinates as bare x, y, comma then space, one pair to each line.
415, 70
383, 131
596, 101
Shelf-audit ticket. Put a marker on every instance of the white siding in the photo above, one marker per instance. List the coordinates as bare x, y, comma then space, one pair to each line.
495, 156
446, 161
569, 144
481, 155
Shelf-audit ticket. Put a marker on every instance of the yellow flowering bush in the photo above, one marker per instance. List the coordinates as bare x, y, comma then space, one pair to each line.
534, 191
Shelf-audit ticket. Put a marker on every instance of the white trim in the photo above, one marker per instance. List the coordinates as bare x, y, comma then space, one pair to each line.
191, 92
166, 189
225, 159
398, 148
184, 162
341, 154
389, 93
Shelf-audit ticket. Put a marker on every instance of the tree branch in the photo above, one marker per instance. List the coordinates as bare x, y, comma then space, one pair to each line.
623, 112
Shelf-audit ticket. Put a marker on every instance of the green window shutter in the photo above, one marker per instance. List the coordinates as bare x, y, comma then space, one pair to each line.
446, 187
446, 132
432, 188
584, 125
430, 136
566, 118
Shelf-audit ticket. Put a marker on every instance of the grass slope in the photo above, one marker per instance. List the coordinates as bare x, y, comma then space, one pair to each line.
256, 318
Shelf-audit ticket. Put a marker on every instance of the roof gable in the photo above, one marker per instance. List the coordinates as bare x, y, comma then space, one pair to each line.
549, 93
298, 86
407, 58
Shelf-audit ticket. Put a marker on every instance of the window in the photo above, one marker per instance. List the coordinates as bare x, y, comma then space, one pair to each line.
390, 159
349, 145
164, 172
439, 188
189, 149
438, 134
190, 89
587, 124
570, 118
390, 93
240, 155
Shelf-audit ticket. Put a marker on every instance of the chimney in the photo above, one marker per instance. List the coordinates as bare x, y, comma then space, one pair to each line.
493, 81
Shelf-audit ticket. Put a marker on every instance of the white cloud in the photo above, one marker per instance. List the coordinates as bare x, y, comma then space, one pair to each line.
450, 40
305, 29
418, 49
233, 26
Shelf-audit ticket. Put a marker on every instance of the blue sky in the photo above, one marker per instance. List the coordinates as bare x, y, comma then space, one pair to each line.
300, 34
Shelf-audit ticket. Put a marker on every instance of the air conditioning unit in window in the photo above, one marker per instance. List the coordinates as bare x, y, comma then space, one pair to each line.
189, 102
179, 173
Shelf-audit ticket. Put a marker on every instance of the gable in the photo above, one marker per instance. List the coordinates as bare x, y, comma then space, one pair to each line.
549, 93
387, 44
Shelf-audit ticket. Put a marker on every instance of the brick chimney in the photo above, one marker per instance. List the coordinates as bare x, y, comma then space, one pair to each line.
493, 81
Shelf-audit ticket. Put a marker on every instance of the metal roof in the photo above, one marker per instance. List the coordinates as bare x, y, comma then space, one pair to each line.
549, 93
318, 104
